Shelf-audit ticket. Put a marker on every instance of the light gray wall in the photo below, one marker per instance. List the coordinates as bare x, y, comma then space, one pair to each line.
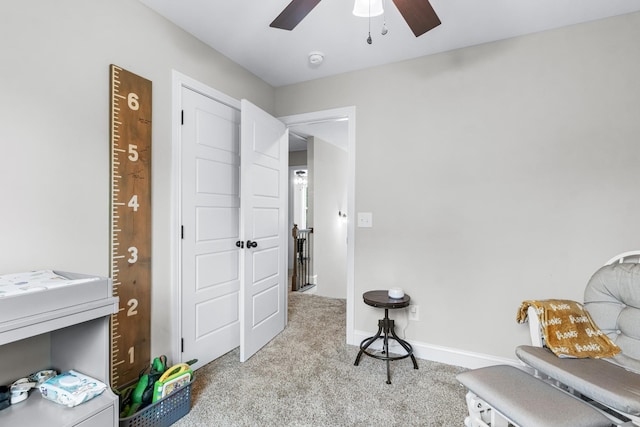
329, 231
298, 158
54, 130
495, 173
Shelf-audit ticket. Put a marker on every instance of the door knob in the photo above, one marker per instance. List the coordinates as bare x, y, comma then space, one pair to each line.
240, 244
251, 244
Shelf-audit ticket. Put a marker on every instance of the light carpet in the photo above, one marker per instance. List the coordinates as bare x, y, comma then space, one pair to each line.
306, 377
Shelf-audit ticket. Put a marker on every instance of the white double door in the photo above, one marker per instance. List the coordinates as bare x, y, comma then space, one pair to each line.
234, 239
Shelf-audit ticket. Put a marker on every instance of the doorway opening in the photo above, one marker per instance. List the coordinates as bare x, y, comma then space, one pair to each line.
329, 138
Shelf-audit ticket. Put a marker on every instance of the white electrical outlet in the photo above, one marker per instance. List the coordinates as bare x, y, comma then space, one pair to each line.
414, 312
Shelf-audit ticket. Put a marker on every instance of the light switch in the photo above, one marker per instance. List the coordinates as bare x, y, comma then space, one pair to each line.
365, 219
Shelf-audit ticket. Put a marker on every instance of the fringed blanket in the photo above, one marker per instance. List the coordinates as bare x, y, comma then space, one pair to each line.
568, 329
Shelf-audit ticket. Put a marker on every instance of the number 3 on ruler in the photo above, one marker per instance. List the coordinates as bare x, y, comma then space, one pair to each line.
134, 255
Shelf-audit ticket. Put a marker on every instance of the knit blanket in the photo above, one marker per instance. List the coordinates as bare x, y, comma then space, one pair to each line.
568, 330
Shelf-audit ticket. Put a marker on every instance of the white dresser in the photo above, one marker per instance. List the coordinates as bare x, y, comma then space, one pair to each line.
63, 327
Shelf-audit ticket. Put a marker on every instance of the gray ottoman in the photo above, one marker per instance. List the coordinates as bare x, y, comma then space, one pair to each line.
528, 401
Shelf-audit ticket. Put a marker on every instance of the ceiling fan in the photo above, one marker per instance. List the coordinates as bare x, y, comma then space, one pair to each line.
419, 14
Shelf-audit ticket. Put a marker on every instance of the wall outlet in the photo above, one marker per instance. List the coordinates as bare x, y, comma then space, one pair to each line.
414, 312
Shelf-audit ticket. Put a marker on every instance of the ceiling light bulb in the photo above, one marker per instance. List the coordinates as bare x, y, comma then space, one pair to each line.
367, 8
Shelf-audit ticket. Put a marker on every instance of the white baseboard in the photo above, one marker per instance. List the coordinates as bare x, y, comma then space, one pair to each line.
436, 353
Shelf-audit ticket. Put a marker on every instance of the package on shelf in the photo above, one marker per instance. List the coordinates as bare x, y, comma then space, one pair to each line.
71, 388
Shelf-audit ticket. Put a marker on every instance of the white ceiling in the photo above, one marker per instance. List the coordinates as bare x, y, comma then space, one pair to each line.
335, 132
240, 30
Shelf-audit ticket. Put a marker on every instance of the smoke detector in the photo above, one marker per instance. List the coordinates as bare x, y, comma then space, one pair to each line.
316, 58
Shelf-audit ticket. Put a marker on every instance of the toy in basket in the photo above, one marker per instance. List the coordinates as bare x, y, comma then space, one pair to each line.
161, 393
174, 378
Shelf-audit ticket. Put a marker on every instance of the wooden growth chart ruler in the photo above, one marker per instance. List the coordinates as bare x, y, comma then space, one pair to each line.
130, 225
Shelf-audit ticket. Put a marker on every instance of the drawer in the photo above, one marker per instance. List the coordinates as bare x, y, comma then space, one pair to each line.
104, 418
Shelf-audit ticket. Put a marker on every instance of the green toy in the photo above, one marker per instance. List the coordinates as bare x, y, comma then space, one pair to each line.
142, 394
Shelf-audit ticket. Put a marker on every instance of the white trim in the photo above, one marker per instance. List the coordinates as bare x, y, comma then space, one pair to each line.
179, 81
620, 257
327, 115
447, 355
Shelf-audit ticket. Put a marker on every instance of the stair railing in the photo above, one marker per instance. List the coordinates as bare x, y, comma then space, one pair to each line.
301, 280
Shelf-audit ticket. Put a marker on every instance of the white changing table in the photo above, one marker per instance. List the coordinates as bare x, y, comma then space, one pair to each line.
68, 328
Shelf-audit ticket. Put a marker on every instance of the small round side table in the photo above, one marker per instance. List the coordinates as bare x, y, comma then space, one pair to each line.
386, 330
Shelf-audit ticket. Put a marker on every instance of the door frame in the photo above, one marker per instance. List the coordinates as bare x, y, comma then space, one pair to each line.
348, 113
179, 81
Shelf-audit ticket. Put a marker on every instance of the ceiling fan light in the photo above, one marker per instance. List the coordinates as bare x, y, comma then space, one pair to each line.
361, 8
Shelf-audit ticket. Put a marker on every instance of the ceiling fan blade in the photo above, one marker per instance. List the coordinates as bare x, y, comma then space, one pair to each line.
419, 15
293, 14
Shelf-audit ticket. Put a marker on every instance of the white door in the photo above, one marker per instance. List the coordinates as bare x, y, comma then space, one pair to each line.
263, 310
210, 200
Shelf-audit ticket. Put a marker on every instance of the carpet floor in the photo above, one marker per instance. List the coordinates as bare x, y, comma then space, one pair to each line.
306, 377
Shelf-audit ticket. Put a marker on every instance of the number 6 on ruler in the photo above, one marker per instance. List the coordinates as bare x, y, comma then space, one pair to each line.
132, 100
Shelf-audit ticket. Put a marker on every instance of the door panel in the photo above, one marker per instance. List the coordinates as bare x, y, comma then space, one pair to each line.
267, 181
264, 147
216, 223
215, 314
217, 177
265, 264
265, 223
216, 269
210, 207
265, 305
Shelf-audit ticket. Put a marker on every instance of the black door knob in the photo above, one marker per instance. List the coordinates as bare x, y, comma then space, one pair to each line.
240, 244
251, 244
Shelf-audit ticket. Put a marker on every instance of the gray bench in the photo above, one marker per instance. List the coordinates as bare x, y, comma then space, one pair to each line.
526, 401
